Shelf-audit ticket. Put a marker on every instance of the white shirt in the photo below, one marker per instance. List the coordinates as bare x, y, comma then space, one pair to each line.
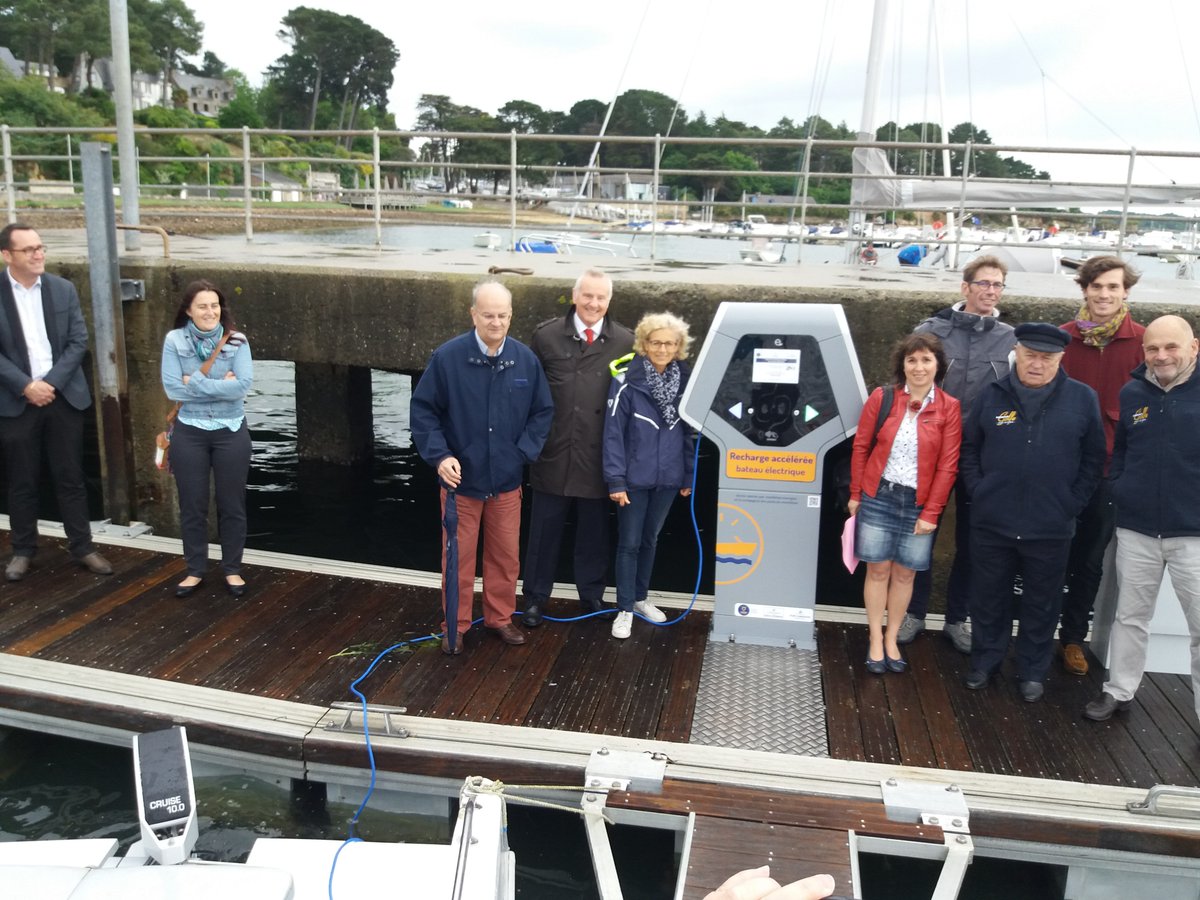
33, 325
580, 327
901, 466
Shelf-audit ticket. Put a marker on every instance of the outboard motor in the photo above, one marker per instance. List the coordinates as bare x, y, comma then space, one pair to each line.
166, 797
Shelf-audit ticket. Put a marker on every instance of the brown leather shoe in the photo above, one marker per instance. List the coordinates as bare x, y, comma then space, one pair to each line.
457, 646
508, 633
1073, 659
96, 564
17, 568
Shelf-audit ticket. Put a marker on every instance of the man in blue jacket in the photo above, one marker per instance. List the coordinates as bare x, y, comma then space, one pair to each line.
480, 412
1155, 475
1033, 452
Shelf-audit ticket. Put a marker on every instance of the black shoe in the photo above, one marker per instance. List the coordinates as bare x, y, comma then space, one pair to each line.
977, 680
532, 617
235, 590
895, 665
1102, 708
591, 606
186, 590
876, 666
1032, 691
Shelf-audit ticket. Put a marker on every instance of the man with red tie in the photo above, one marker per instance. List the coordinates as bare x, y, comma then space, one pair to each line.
575, 351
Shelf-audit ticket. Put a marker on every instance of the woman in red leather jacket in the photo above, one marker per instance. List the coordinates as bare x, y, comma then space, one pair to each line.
901, 473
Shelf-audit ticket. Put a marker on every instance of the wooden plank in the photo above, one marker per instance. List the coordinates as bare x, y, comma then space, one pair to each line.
875, 717
651, 687
29, 610
945, 733
224, 631
533, 674
908, 719
721, 847
257, 615
1178, 690
100, 599
842, 725
472, 677
1164, 738
691, 639
546, 706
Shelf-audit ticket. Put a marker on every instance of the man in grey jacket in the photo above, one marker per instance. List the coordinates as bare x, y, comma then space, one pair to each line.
43, 395
575, 350
977, 345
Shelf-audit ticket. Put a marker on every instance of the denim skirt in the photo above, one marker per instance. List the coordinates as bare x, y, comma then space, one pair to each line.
883, 530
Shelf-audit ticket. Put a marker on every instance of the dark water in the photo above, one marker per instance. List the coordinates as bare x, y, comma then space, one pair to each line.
385, 512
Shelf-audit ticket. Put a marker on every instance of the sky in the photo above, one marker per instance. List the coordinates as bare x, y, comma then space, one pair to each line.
1106, 74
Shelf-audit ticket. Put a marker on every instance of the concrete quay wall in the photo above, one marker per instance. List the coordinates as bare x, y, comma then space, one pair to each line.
335, 323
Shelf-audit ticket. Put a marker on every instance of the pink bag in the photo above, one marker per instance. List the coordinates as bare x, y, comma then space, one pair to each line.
848, 556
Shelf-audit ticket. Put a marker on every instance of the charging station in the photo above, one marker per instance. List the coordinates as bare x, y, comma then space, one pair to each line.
776, 386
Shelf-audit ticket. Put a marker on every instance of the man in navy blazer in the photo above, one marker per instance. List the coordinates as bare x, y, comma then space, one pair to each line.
43, 395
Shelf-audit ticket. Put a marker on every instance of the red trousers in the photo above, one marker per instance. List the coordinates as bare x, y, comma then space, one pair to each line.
500, 518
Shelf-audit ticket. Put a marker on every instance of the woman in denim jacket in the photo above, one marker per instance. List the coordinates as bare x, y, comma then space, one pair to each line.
210, 432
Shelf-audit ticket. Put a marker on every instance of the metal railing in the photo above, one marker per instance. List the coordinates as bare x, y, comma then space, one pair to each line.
391, 183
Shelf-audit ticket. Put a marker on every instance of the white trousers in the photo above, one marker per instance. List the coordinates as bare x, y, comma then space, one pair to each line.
1140, 562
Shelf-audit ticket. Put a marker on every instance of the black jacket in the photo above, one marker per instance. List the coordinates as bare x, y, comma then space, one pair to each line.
1156, 458
578, 376
1028, 477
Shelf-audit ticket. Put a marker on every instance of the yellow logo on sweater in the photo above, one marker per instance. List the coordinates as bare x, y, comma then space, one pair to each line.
1007, 418
1140, 415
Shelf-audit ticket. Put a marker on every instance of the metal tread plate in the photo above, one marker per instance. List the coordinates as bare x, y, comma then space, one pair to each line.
761, 698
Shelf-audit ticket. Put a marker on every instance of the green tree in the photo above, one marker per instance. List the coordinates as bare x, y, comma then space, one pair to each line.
242, 110
170, 29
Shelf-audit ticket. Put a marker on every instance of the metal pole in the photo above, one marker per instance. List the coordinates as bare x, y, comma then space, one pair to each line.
654, 197
10, 189
962, 207
512, 188
378, 196
866, 129
1125, 202
108, 329
808, 146
247, 205
70, 165
118, 17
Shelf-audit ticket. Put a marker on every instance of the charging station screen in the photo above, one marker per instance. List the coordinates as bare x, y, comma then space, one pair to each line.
776, 389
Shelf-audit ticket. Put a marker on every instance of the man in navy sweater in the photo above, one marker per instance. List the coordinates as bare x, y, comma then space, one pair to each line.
1033, 451
1155, 477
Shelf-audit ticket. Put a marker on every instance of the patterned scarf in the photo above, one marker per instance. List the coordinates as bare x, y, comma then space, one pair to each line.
205, 341
664, 389
1094, 334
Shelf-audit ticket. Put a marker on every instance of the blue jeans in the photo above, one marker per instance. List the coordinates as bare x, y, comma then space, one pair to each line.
638, 525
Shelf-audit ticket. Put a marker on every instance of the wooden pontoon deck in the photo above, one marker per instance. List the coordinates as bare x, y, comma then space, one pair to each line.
299, 638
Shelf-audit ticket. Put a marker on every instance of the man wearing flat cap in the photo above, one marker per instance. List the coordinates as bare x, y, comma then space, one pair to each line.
1033, 452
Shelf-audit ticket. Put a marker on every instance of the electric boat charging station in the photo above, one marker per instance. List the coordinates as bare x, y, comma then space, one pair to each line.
776, 387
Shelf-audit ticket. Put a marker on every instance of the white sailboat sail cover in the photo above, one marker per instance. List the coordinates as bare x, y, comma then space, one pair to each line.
890, 191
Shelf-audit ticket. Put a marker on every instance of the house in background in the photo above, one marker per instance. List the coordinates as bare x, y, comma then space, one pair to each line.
20, 68
204, 96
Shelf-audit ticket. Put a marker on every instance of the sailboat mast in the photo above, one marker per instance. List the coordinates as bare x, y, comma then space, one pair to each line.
866, 131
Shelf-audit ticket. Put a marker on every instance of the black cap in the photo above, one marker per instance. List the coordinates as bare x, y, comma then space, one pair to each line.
1043, 337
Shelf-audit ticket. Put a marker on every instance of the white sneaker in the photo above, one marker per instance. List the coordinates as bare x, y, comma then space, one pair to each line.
622, 625
650, 611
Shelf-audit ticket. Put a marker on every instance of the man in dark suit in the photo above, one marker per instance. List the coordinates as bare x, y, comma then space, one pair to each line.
43, 395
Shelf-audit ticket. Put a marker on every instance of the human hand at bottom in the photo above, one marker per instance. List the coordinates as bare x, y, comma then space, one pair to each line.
757, 884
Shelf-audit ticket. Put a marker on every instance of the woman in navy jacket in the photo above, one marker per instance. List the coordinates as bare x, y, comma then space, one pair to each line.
648, 456
901, 473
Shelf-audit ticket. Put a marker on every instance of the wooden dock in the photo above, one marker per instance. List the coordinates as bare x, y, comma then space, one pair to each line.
104, 656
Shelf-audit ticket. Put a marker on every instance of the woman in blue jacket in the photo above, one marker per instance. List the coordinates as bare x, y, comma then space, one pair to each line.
647, 456
210, 439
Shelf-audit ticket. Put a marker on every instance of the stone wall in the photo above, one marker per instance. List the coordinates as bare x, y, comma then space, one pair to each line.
340, 317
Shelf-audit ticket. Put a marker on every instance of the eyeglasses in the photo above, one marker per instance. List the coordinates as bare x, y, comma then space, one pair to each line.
988, 285
662, 345
29, 251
